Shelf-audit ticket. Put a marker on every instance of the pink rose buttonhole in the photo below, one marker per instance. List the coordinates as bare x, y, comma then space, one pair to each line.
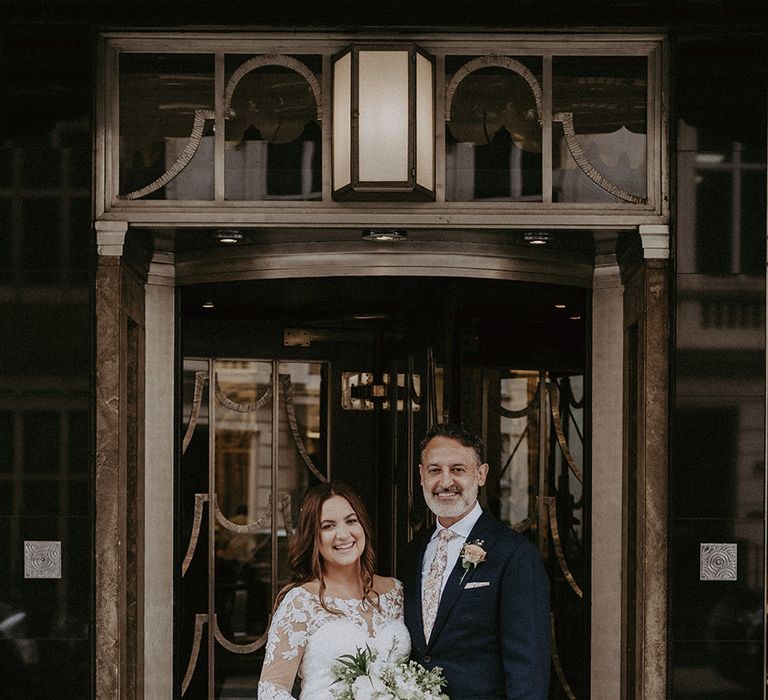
472, 554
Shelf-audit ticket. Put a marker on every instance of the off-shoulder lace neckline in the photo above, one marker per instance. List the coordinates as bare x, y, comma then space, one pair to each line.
349, 601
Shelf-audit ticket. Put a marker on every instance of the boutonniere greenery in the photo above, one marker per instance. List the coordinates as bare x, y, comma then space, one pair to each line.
472, 554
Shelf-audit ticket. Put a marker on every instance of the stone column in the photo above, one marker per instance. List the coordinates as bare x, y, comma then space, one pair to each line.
119, 448
158, 474
646, 414
607, 403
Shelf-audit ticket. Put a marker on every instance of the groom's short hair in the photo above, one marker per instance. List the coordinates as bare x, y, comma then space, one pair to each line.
458, 432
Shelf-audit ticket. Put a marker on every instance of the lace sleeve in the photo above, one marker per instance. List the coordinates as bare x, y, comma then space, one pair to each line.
287, 638
395, 598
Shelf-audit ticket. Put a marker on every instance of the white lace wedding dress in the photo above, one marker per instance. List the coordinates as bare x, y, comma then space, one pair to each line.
306, 639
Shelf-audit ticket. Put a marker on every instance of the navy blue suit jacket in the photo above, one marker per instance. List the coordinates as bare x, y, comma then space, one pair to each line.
492, 641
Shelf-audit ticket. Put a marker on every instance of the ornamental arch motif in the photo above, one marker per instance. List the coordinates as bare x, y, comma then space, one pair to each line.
489, 62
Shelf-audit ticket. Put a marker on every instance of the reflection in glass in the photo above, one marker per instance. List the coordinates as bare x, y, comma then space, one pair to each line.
519, 462
359, 391
273, 137
159, 94
608, 99
493, 140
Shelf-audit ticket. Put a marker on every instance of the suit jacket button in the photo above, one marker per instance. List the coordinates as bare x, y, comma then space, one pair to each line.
427, 658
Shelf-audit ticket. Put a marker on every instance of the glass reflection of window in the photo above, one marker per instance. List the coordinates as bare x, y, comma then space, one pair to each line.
44, 207
493, 141
608, 99
519, 466
730, 212
159, 94
273, 137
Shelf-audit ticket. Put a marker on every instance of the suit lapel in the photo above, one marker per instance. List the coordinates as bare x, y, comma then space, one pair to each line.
486, 528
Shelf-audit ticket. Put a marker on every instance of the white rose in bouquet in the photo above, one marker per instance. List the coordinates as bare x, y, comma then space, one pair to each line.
370, 688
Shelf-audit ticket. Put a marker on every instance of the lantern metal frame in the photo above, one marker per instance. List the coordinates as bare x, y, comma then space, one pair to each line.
409, 188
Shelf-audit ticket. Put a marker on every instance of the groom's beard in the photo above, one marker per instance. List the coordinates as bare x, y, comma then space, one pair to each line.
458, 506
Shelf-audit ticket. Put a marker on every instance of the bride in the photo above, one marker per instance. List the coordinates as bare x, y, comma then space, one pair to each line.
334, 604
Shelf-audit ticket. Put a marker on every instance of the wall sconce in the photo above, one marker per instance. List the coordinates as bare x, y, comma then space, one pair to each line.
383, 123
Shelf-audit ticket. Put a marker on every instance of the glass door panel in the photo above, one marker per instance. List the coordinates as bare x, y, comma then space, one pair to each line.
248, 454
534, 430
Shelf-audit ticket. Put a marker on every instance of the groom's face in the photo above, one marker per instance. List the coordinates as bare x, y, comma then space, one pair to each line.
451, 475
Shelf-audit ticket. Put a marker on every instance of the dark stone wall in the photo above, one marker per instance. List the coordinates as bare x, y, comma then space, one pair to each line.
717, 468
46, 485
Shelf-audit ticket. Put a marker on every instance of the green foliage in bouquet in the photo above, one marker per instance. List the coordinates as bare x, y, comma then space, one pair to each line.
362, 676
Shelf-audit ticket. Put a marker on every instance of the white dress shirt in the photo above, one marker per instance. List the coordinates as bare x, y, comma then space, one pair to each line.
462, 528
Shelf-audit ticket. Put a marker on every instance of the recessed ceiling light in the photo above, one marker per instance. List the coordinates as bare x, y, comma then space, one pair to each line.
575, 317
207, 304
230, 237
559, 306
384, 234
538, 237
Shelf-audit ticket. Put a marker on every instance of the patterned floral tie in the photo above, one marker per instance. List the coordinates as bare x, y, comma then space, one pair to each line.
430, 597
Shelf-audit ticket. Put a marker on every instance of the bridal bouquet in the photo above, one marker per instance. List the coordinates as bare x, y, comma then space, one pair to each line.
362, 676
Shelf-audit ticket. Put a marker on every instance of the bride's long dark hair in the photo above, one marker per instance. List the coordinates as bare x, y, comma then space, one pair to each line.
304, 552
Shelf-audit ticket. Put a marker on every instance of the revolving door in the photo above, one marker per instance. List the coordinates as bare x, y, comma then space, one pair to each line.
349, 399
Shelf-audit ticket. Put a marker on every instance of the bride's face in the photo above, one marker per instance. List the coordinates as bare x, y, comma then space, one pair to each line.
342, 539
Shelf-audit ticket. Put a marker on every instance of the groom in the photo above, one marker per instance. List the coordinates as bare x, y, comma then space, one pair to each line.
476, 593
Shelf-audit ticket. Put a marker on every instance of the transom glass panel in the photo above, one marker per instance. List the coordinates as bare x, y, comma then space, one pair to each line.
493, 138
529, 124
607, 98
273, 143
159, 97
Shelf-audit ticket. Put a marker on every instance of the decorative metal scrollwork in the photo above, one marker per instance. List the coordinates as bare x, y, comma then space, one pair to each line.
200, 500
246, 529
524, 525
241, 407
554, 405
273, 59
519, 412
500, 62
285, 509
557, 663
249, 648
200, 621
184, 159
194, 416
290, 411
551, 503
567, 392
416, 397
566, 119
204, 115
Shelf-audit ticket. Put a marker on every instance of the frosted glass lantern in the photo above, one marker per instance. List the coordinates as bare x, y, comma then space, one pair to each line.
383, 124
